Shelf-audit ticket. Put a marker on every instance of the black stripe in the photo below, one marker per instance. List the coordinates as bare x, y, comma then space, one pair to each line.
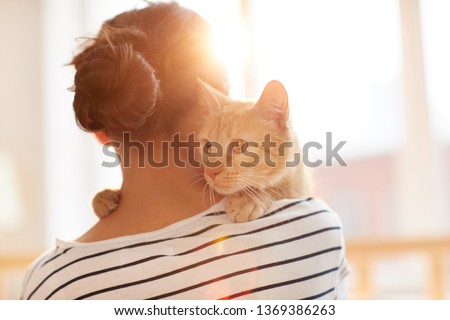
217, 240
223, 238
126, 247
284, 207
268, 214
56, 256
27, 280
279, 284
275, 225
253, 269
185, 268
218, 213
118, 249
317, 296
151, 242
190, 235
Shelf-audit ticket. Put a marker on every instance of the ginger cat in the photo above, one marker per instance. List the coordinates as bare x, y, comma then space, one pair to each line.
249, 151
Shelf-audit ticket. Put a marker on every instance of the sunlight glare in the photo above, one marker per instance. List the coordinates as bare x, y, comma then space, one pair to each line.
230, 44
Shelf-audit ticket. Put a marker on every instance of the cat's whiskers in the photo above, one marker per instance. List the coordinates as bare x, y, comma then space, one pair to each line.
261, 190
262, 186
212, 199
210, 194
244, 192
203, 193
279, 186
243, 181
197, 180
213, 196
261, 196
258, 194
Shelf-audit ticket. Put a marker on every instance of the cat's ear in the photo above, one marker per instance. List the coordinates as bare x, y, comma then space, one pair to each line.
211, 97
273, 104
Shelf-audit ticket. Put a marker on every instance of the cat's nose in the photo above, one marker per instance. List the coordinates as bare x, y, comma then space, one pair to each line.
212, 172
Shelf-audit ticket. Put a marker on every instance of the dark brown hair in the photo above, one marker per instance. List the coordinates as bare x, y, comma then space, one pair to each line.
142, 68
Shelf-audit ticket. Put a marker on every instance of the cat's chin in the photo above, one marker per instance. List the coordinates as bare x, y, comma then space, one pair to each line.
225, 191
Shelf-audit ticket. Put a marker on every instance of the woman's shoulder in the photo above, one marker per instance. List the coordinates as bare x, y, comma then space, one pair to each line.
309, 216
306, 213
307, 223
308, 205
44, 257
294, 230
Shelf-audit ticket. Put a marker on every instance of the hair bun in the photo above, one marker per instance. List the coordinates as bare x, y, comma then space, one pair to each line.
115, 89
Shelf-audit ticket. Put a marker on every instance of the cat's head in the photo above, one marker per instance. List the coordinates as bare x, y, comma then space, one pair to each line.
241, 141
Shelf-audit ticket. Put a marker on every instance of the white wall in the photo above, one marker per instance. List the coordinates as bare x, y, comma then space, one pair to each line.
21, 129
58, 164
72, 157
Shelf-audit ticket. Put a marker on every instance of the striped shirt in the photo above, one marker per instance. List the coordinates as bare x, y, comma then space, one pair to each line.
296, 251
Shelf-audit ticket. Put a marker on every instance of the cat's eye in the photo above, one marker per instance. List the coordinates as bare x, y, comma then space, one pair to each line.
238, 145
210, 147
206, 145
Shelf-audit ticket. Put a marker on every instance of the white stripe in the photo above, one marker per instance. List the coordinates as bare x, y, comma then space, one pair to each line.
285, 228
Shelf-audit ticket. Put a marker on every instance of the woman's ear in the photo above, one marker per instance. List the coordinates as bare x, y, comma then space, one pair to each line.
101, 136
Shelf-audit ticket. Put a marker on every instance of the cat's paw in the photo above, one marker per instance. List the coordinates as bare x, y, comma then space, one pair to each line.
105, 202
242, 209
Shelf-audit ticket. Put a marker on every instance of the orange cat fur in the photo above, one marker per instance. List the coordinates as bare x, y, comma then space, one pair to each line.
251, 189
250, 186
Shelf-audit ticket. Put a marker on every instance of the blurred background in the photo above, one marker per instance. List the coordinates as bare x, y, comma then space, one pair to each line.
375, 73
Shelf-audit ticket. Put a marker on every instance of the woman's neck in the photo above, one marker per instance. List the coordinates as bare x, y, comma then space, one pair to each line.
153, 198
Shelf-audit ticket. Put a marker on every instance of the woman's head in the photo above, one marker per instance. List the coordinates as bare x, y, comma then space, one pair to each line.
140, 73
